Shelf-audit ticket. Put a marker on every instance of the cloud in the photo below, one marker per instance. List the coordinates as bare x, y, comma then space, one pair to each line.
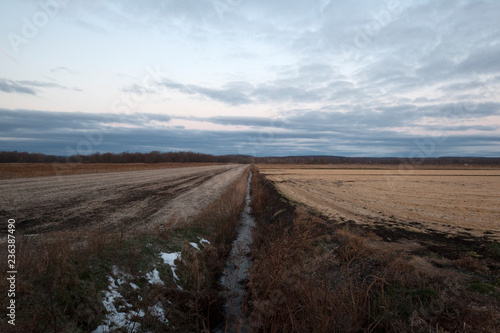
260, 122
66, 133
62, 69
10, 87
48, 121
360, 133
484, 60
137, 89
26, 86
41, 84
350, 78
232, 93
305, 84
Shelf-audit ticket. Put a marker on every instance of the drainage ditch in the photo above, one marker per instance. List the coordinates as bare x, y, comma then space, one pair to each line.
235, 275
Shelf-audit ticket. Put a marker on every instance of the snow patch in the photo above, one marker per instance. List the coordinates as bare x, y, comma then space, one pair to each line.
116, 318
119, 313
154, 277
169, 259
195, 246
203, 240
157, 310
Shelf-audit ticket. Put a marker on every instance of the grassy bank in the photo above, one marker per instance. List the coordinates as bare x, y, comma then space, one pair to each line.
161, 281
312, 274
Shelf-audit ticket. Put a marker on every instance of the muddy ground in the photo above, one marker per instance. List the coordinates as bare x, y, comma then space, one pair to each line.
455, 202
112, 202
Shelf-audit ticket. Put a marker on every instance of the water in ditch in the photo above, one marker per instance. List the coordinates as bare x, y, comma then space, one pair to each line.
236, 272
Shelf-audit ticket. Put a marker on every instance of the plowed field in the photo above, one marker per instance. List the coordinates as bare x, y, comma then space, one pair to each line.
116, 201
463, 202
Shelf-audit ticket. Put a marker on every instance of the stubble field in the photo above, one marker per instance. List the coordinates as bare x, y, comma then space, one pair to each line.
457, 202
31, 170
115, 201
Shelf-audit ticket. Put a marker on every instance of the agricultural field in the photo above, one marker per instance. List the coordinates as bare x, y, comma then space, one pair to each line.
376, 250
113, 202
447, 200
24, 170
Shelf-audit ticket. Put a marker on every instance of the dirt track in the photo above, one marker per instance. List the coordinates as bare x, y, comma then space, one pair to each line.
463, 202
112, 201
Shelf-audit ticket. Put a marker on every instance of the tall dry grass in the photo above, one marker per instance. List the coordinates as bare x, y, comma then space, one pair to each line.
202, 269
53, 294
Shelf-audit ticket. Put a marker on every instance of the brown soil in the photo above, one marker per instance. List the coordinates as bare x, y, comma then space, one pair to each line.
455, 202
115, 202
24, 170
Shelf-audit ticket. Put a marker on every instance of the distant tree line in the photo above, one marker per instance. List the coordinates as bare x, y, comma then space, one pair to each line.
378, 160
190, 157
19, 157
125, 157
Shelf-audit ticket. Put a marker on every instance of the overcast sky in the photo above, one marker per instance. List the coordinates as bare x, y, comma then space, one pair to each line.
296, 77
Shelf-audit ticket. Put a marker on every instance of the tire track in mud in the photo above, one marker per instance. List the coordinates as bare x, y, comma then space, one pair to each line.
117, 201
129, 198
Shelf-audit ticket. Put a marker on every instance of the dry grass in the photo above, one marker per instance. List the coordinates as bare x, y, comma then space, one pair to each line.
50, 287
200, 304
472, 264
313, 275
404, 167
30, 170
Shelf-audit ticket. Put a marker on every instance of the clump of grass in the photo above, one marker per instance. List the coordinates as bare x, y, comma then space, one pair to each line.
494, 248
404, 301
473, 264
481, 287
352, 245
